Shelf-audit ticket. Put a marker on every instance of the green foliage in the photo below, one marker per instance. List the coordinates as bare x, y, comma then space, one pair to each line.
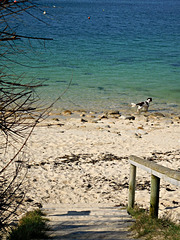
32, 226
153, 228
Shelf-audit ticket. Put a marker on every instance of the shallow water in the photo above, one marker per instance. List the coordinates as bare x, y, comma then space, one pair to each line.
126, 52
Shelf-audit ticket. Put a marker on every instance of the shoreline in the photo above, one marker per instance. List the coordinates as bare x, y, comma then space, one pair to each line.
166, 109
111, 113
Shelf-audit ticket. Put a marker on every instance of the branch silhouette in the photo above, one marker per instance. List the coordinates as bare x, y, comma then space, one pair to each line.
20, 112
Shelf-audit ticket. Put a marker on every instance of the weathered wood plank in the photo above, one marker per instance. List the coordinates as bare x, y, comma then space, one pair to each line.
154, 199
167, 174
132, 183
157, 172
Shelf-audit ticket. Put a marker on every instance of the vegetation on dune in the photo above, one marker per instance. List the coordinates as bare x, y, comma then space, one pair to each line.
153, 228
32, 226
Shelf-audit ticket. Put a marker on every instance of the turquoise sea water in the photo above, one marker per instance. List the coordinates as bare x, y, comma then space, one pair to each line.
126, 52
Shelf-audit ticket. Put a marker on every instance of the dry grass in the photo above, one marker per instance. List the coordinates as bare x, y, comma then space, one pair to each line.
152, 228
32, 226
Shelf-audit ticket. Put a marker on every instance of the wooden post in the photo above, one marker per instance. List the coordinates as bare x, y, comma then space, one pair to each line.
154, 200
132, 183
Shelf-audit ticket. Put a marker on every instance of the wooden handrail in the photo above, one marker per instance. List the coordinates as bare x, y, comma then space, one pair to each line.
157, 172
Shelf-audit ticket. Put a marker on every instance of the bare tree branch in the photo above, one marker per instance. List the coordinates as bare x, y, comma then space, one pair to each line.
18, 102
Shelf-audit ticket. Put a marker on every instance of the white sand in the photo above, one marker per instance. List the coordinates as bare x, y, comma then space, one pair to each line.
87, 162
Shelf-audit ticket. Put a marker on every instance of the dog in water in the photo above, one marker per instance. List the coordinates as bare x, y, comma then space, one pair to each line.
142, 105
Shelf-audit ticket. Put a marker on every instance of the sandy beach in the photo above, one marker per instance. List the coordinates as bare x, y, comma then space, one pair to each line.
89, 61
82, 157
